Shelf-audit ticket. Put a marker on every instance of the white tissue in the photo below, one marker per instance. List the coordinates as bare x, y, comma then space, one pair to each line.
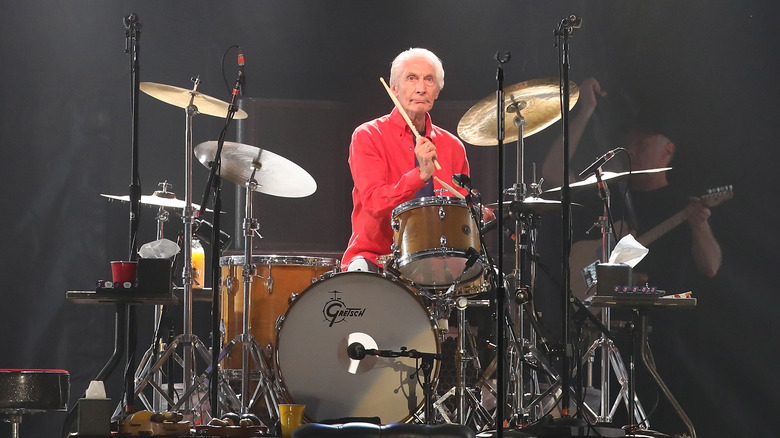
628, 251
96, 389
159, 249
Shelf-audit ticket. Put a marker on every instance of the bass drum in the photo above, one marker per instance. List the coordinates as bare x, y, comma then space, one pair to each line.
343, 309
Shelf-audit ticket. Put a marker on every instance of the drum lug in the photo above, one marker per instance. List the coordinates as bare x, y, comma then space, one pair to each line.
395, 251
442, 213
395, 224
443, 241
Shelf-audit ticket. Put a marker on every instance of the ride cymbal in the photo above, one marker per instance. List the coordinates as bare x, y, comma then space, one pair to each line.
180, 97
538, 101
273, 174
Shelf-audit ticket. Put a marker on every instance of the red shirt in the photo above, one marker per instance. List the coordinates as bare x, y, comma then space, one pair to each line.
382, 162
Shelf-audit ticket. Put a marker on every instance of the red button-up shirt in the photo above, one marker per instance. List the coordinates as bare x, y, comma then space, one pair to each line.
382, 162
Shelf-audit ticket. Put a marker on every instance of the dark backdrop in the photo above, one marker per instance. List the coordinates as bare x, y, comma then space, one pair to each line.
708, 66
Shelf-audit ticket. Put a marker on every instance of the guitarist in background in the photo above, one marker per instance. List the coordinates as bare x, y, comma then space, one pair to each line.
680, 260
650, 200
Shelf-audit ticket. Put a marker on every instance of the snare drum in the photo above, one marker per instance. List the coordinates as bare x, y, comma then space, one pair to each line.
277, 279
328, 317
432, 237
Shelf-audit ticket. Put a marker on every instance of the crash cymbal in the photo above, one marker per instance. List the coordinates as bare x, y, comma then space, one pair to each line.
532, 205
538, 101
180, 97
160, 199
606, 176
275, 175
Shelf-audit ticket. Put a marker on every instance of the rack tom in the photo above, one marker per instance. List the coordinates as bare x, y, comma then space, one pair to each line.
432, 237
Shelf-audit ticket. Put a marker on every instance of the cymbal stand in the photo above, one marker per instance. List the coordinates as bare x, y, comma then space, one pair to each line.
524, 244
250, 350
188, 340
158, 346
610, 356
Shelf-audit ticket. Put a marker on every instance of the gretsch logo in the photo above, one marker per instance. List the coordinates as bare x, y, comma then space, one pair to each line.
336, 311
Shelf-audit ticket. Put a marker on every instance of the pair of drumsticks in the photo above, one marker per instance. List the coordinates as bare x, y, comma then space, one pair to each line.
417, 137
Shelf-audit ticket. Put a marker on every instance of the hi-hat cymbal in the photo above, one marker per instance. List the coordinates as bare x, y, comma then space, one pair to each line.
274, 174
538, 101
531, 205
606, 176
160, 199
180, 97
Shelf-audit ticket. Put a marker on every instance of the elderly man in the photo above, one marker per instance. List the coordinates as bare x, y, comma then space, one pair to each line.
390, 167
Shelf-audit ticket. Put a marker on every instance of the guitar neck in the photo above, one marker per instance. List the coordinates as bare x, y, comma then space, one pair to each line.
664, 227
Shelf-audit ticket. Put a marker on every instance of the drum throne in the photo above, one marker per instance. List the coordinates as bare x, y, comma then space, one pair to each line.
29, 391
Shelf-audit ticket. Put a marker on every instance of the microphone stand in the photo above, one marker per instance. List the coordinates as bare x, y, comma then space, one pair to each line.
426, 366
214, 184
500, 289
132, 35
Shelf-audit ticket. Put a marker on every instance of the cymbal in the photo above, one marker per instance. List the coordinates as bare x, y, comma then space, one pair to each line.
160, 199
180, 97
532, 204
275, 175
606, 176
538, 101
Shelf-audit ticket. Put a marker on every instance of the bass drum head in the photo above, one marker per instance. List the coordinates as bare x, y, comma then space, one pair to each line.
350, 307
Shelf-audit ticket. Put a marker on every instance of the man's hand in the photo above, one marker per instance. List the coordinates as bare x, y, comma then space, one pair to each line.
425, 151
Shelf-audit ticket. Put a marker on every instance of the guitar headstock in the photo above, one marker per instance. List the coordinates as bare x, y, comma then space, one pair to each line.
718, 195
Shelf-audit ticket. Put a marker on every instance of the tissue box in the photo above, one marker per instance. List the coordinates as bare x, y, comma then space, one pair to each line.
154, 276
95, 416
610, 275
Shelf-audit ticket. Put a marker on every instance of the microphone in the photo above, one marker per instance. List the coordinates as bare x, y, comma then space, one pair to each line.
462, 180
598, 163
472, 255
240, 80
574, 21
204, 230
356, 351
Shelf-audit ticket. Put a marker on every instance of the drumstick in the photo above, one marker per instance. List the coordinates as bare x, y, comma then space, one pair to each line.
450, 188
405, 116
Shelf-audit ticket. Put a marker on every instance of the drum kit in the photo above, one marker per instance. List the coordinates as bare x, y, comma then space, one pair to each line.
295, 329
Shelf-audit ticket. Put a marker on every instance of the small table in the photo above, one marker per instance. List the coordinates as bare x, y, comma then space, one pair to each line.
641, 304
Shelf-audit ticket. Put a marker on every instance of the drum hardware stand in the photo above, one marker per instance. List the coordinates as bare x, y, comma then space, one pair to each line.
158, 346
188, 340
357, 351
250, 350
610, 356
477, 413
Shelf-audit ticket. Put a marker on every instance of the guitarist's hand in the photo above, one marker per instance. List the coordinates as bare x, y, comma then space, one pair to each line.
697, 213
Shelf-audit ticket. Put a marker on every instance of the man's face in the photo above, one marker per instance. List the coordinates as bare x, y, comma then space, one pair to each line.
416, 89
648, 151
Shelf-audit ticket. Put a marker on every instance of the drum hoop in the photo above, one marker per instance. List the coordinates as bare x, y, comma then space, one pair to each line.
428, 201
238, 260
428, 253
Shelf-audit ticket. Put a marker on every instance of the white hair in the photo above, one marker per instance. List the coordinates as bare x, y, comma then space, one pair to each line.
398, 63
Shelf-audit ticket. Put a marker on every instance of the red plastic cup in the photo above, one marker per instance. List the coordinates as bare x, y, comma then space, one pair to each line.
122, 272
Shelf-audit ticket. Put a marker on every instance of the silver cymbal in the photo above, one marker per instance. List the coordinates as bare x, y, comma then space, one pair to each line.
532, 204
180, 97
273, 174
606, 176
155, 199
